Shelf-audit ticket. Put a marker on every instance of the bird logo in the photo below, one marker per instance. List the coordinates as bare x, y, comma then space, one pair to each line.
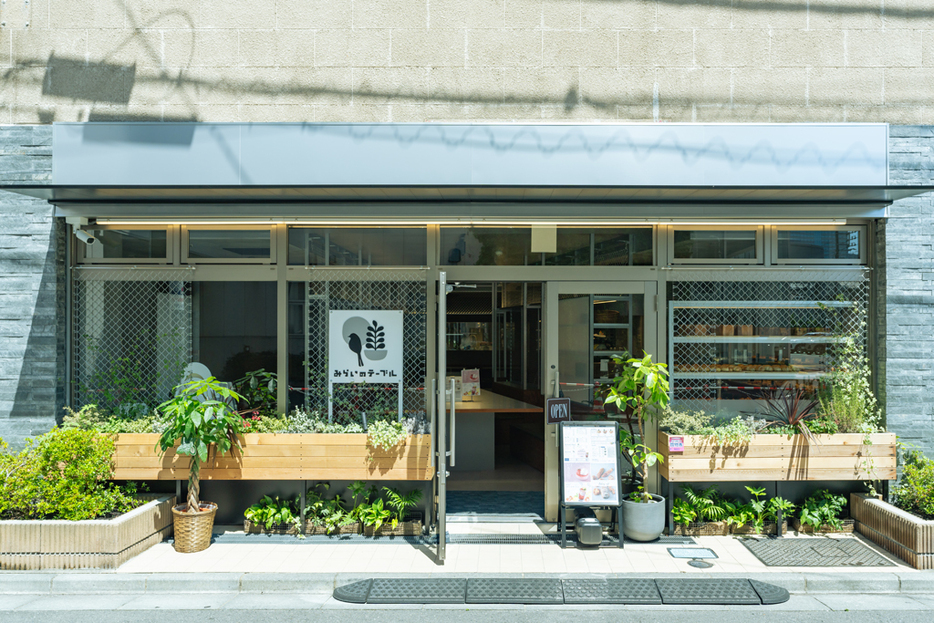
365, 338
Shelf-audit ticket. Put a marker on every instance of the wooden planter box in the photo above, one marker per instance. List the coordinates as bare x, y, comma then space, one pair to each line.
281, 457
778, 457
907, 536
351, 528
846, 528
406, 528
29, 545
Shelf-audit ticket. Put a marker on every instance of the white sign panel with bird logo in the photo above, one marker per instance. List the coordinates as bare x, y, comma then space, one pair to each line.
366, 347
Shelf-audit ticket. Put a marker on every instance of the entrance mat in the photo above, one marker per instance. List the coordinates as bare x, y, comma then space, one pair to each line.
501, 506
554, 591
815, 552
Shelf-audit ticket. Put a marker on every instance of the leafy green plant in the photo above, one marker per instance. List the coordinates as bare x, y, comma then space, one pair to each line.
759, 507
258, 389
915, 489
642, 387
64, 474
327, 513
302, 421
271, 512
134, 419
737, 431
823, 508
360, 496
374, 515
400, 503
682, 512
386, 435
200, 419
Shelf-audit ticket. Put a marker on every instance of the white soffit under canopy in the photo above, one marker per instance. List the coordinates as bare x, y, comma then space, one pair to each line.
469, 155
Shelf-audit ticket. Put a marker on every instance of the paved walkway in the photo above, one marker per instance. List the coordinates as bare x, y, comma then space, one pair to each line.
363, 557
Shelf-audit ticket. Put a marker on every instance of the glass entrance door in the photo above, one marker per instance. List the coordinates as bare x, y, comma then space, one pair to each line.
591, 325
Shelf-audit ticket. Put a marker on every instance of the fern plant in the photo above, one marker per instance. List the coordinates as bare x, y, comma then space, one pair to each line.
401, 504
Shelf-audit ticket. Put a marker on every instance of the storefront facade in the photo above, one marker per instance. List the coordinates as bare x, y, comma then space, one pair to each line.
531, 253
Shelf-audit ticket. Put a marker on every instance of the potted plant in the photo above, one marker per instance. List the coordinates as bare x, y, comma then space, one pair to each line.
201, 420
643, 388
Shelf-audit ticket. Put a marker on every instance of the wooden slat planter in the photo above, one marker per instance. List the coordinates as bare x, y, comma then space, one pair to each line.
905, 535
33, 544
280, 457
779, 458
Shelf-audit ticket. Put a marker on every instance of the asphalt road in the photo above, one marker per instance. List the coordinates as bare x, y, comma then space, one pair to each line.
730, 615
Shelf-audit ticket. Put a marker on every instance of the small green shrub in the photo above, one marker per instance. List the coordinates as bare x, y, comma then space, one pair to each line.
685, 422
823, 508
737, 431
271, 512
401, 503
63, 474
301, 421
915, 490
386, 435
130, 418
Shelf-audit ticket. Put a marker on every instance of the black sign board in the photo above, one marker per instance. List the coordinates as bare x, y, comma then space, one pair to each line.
558, 409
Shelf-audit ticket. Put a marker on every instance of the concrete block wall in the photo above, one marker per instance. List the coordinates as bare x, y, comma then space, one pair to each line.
424, 60
908, 274
32, 290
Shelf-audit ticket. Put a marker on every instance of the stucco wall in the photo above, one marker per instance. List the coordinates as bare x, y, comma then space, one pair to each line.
422, 60
909, 290
32, 290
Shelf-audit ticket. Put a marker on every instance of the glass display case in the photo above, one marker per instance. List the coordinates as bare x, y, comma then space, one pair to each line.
742, 350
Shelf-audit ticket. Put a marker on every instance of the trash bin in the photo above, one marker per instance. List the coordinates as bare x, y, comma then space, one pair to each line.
589, 530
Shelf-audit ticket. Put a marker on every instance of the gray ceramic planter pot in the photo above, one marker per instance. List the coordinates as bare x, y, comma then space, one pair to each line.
644, 521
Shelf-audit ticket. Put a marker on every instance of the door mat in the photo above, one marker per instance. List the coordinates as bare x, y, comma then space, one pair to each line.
815, 552
554, 591
495, 506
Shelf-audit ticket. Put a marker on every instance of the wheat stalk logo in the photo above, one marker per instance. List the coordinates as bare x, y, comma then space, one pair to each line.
375, 337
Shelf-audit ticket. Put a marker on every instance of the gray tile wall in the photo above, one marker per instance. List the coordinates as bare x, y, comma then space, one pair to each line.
907, 271
32, 290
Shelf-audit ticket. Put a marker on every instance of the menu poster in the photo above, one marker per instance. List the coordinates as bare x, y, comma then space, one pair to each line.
590, 462
470, 383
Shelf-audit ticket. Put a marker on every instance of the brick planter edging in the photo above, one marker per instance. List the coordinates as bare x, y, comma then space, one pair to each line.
905, 535
28, 545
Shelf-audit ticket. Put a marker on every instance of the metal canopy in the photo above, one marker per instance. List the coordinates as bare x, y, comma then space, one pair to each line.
586, 194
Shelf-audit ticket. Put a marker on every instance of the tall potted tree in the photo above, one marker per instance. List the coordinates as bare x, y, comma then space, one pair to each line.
643, 388
201, 420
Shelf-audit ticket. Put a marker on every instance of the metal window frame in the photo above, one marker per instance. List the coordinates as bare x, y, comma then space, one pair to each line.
186, 244
290, 227
81, 258
863, 243
759, 260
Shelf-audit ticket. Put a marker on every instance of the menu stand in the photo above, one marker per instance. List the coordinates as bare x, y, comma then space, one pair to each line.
577, 452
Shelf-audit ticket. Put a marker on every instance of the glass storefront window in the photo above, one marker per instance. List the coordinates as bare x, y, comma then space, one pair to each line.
127, 244
708, 244
234, 244
355, 246
828, 244
511, 246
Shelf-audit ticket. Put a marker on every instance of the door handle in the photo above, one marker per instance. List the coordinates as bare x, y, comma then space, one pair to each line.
453, 422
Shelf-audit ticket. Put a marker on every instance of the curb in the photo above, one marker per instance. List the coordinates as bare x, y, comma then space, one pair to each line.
917, 582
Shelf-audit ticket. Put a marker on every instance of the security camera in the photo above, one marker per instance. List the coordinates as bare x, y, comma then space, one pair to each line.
85, 237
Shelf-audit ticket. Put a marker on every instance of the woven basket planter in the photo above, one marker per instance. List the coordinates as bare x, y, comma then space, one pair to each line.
708, 528
768, 527
847, 528
257, 528
406, 528
193, 530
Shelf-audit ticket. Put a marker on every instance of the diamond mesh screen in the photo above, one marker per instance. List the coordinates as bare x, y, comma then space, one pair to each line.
131, 335
737, 338
335, 289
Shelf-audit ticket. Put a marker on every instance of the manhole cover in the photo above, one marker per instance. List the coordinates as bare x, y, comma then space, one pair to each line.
815, 552
691, 552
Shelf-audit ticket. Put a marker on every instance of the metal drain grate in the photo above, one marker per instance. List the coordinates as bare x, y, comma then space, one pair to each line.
815, 552
692, 552
555, 591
